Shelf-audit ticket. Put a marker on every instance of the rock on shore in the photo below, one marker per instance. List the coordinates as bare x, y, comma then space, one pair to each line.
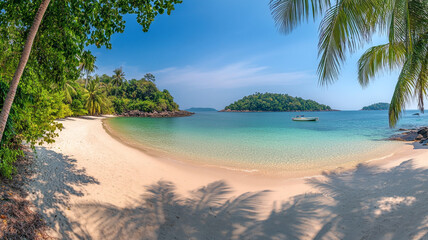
137, 113
418, 134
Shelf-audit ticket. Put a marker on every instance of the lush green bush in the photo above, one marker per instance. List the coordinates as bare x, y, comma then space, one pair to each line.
31, 119
142, 95
8, 156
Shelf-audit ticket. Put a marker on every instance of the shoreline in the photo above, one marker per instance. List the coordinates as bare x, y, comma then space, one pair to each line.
270, 172
250, 111
90, 185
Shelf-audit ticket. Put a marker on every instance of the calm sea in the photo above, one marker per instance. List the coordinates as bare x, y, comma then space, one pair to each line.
260, 141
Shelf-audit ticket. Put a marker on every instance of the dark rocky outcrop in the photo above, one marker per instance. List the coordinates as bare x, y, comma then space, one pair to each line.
137, 113
417, 134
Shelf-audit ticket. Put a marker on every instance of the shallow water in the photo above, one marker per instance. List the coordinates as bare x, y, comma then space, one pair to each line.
270, 140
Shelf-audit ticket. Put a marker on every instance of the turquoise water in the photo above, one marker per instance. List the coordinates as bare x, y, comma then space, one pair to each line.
255, 141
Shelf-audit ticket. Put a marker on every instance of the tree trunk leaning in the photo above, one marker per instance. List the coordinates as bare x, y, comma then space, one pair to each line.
21, 66
87, 80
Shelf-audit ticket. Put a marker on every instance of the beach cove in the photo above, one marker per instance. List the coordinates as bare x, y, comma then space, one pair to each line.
90, 185
265, 143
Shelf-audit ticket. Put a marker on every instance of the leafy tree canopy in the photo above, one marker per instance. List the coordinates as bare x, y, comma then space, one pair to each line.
69, 26
142, 95
48, 88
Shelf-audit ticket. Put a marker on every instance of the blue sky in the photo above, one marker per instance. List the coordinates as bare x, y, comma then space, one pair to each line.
210, 53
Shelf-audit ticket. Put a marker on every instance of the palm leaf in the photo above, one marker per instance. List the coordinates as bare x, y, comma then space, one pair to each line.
403, 90
421, 57
349, 24
342, 29
290, 13
379, 57
397, 29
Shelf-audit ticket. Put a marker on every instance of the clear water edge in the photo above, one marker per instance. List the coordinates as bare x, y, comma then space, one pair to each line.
265, 142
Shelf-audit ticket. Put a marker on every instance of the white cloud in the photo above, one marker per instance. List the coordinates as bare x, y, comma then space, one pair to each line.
229, 77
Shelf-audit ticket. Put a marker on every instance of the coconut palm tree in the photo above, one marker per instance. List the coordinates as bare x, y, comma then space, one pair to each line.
87, 64
348, 24
68, 89
95, 99
118, 78
4, 114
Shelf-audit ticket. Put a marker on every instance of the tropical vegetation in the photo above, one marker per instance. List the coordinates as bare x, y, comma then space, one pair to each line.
275, 102
45, 65
349, 24
377, 106
37, 105
141, 95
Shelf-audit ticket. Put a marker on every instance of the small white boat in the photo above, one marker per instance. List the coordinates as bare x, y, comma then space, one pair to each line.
303, 118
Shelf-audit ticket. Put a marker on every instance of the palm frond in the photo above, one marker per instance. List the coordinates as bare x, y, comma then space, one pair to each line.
68, 97
288, 14
422, 86
420, 56
379, 57
87, 62
407, 81
397, 29
95, 98
342, 29
349, 24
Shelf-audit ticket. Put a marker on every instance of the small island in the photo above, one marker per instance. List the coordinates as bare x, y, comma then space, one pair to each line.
274, 102
376, 106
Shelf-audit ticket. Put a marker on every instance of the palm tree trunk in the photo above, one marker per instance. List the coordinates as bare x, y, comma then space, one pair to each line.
21, 66
87, 79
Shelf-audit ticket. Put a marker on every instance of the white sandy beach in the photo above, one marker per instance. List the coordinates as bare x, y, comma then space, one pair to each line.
88, 185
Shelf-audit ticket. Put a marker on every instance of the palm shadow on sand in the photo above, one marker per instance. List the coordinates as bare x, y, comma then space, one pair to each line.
51, 188
208, 213
374, 203
368, 203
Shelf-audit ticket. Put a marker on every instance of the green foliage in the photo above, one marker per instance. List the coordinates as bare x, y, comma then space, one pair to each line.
142, 95
87, 64
150, 77
31, 119
50, 87
118, 78
114, 94
96, 102
85, 22
275, 102
377, 106
8, 157
77, 105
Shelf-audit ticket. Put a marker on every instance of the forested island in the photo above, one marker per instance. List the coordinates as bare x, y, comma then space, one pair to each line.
377, 106
274, 102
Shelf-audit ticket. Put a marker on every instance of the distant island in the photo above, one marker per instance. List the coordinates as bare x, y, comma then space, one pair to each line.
198, 109
376, 106
274, 102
